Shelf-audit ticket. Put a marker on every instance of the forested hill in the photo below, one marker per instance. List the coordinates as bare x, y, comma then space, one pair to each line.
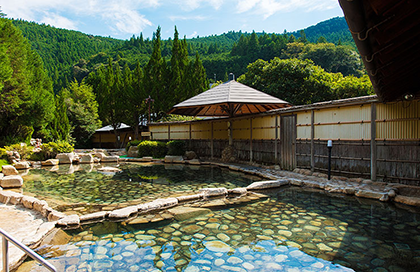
62, 48
71, 54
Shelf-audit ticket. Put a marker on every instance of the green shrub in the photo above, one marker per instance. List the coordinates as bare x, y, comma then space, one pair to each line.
3, 154
3, 162
176, 148
51, 149
24, 150
132, 143
152, 148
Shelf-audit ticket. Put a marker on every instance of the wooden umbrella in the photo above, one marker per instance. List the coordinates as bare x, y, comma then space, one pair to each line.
229, 99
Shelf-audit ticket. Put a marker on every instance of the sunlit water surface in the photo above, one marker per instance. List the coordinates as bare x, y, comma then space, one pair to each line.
292, 230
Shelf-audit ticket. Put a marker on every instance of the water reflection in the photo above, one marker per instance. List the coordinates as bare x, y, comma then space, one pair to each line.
293, 230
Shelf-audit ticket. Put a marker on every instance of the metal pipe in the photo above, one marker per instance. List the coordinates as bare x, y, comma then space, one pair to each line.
5, 255
27, 250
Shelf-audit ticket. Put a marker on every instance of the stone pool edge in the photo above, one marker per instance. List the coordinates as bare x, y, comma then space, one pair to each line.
276, 178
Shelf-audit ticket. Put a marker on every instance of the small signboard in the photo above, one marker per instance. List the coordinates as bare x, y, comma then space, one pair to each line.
146, 133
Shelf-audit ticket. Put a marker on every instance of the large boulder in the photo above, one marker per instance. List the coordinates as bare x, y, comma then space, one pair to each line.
133, 151
50, 162
260, 185
110, 159
214, 191
14, 181
190, 155
99, 155
85, 158
174, 159
9, 170
65, 158
22, 165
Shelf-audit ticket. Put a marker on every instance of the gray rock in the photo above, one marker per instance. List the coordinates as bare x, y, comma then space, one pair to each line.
9, 170
85, 158
174, 159
133, 151
239, 191
157, 204
369, 194
69, 220
99, 154
190, 155
189, 197
93, 216
123, 213
11, 181
214, 191
147, 159
194, 162
22, 165
267, 184
50, 162
54, 215
65, 158
110, 159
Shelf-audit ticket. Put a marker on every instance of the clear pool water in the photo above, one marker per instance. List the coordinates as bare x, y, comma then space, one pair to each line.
84, 192
293, 230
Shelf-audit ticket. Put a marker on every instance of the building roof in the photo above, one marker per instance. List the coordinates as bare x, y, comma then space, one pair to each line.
387, 34
110, 128
229, 99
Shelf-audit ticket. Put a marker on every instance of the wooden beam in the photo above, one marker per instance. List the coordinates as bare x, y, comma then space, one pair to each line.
212, 141
250, 140
276, 127
312, 141
373, 149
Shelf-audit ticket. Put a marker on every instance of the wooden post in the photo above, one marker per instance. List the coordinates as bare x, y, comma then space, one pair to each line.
189, 143
169, 132
250, 140
212, 141
230, 132
312, 141
373, 149
276, 159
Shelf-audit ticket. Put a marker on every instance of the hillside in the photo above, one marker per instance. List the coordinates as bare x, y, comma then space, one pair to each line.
71, 54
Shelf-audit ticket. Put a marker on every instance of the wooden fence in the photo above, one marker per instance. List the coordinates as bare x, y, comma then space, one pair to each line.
370, 139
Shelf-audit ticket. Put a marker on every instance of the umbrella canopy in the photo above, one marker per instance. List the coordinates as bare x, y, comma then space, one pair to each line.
229, 99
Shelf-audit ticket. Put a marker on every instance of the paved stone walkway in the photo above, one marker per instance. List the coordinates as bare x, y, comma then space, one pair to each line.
24, 225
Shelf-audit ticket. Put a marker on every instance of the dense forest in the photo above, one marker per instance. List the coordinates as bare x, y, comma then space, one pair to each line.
62, 85
69, 54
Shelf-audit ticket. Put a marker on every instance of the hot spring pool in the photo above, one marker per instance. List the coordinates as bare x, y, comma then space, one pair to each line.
90, 191
292, 230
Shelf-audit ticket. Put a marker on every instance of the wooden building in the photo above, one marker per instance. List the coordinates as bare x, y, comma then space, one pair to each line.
370, 139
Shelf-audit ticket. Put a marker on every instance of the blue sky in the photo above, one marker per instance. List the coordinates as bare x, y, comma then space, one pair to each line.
123, 18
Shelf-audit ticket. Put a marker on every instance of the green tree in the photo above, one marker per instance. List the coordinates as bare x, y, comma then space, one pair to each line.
82, 111
296, 81
136, 96
26, 97
155, 79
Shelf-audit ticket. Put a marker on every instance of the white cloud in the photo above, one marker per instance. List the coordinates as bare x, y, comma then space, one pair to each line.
121, 16
187, 18
58, 21
195, 4
267, 8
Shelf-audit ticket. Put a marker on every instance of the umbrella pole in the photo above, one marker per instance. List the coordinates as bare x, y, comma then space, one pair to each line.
230, 133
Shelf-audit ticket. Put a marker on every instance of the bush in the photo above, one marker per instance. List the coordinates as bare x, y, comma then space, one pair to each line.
3, 162
132, 143
51, 149
176, 148
152, 148
23, 149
